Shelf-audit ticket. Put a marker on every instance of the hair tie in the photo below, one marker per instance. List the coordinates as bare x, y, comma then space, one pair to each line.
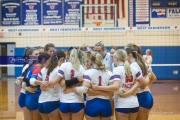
37, 47
134, 51
27, 47
55, 54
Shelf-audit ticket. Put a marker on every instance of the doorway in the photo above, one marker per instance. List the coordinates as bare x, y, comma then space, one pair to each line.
7, 49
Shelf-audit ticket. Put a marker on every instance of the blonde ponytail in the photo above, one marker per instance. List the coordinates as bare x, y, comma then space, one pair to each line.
74, 59
97, 59
127, 69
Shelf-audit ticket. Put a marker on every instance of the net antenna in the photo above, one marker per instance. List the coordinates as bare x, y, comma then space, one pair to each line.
98, 15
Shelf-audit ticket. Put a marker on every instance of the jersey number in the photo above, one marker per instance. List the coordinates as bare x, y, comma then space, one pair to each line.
100, 81
129, 79
72, 74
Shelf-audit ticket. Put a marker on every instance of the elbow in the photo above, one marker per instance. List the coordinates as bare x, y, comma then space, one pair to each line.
116, 88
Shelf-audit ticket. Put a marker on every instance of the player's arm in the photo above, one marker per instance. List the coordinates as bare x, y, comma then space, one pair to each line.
69, 83
113, 87
96, 93
55, 81
132, 90
153, 77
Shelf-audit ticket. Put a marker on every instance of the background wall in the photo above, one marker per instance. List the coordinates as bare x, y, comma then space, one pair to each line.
164, 42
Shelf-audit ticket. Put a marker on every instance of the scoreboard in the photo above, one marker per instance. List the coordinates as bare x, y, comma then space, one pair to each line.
165, 3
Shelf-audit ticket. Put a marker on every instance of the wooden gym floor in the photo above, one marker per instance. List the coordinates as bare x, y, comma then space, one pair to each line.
166, 96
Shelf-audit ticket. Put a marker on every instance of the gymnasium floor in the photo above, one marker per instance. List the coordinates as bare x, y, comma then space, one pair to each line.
166, 100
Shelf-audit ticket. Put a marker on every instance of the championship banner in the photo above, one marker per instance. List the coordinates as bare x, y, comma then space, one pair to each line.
72, 12
11, 13
52, 12
31, 12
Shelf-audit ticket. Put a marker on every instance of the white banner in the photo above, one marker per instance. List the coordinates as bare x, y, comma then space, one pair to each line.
173, 12
19, 30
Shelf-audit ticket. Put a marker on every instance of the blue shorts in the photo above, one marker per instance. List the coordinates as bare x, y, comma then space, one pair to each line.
70, 107
145, 99
127, 110
84, 97
32, 101
21, 100
48, 107
98, 107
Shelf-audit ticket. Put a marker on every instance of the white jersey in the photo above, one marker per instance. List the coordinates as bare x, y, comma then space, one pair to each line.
113, 66
23, 83
148, 59
107, 61
68, 72
97, 77
126, 84
139, 90
52, 93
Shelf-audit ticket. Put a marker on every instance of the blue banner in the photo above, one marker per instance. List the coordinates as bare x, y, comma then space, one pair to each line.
11, 13
31, 12
158, 12
72, 12
52, 12
18, 60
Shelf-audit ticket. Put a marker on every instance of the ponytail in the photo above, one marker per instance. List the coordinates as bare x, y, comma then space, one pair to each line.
127, 69
141, 63
74, 59
82, 58
97, 59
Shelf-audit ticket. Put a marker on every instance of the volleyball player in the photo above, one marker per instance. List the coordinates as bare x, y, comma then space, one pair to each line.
107, 60
71, 104
40, 49
98, 105
21, 100
32, 98
148, 58
145, 98
124, 78
49, 48
113, 49
49, 98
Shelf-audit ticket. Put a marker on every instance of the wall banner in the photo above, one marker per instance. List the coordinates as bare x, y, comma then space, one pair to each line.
11, 13
52, 12
31, 12
72, 12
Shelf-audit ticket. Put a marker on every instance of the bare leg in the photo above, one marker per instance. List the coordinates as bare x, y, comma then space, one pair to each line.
142, 114
27, 114
105, 118
44, 116
122, 116
55, 115
79, 115
30, 115
36, 115
93, 118
133, 116
65, 116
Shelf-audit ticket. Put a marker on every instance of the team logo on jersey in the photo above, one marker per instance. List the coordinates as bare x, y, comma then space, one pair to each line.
52, 7
10, 10
73, 6
31, 7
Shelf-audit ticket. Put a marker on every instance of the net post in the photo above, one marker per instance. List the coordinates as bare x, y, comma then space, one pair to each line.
115, 17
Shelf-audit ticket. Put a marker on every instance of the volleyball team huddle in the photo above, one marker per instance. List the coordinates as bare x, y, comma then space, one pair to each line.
92, 84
